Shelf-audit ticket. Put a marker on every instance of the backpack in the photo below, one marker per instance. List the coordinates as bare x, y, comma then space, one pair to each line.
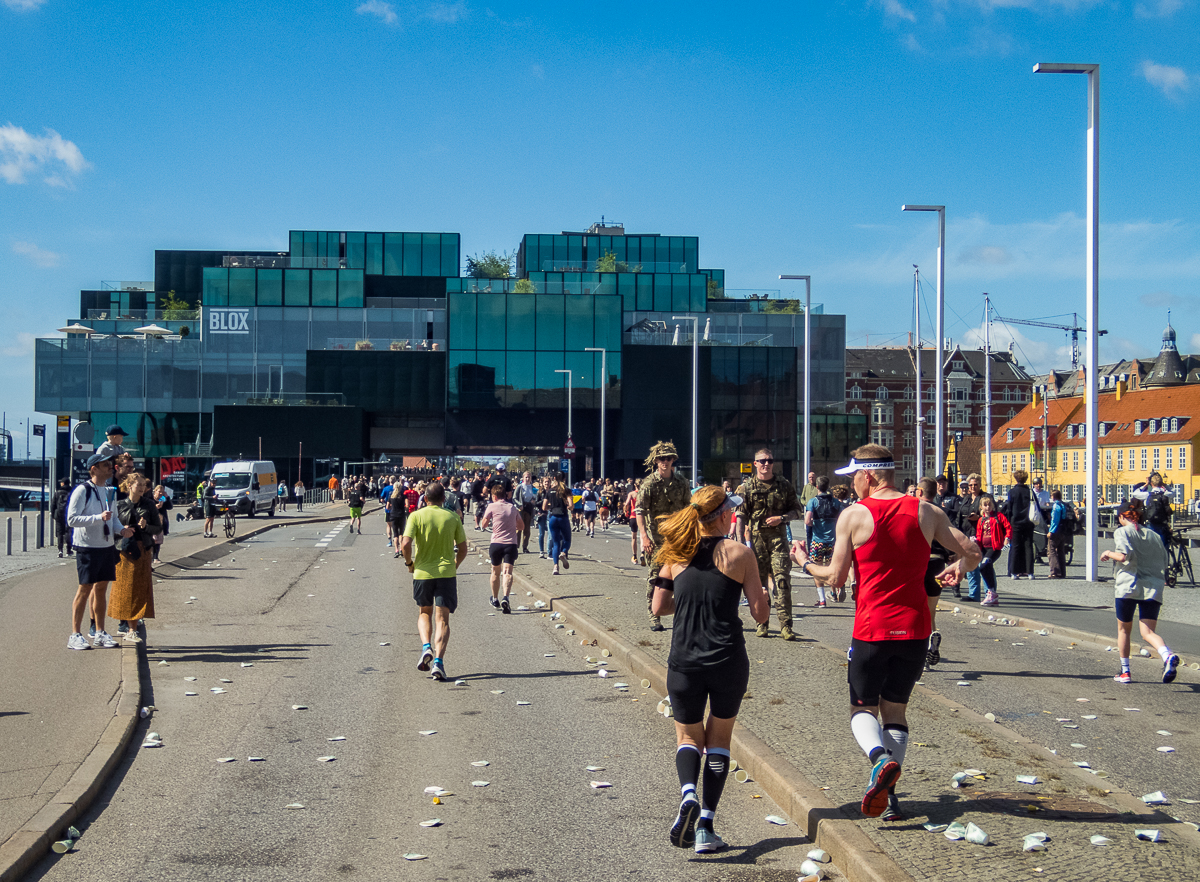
827, 509
451, 503
1158, 509
1069, 521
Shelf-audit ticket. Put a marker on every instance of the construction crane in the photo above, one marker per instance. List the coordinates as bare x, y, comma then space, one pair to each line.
1073, 328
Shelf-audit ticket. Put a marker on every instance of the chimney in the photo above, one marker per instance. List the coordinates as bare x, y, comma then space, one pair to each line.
1120, 389
1037, 398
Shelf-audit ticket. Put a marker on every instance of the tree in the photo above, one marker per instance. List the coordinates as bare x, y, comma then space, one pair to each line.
524, 286
715, 291
490, 265
607, 263
172, 303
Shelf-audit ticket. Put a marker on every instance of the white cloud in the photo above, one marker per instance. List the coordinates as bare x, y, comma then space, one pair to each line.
911, 43
23, 5
22, 347
383, 11
39, 256
449, 13
894, 9
1170, 80
985, 254
1036, 5
1161, 9
22, 153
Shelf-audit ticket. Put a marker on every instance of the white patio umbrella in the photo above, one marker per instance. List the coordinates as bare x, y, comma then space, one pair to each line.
152, 330
77, 328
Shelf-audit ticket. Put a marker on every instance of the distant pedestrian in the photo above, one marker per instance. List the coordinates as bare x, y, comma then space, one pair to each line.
1056, 536
299, 491
663, 492
556, 505
281, 496
354, 499
208, 500
525, 496
396, 514
992, 533
702, 579
820, 521
58, 515
1020, 554
163, 504
1141, 560
90, 515
133, 591
440, 546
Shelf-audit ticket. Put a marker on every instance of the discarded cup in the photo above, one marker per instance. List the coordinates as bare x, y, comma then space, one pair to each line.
645, 683
432, 822
1027, 779
326, 759
481, 763
811, 868
1166, 750
413, 856
778, 821
294, 805
935, 828
602, 673
818, 855
1149, 835
741, 776
479, 783
955, 832
600, 785
1033, 843
1099, 840
299, 707
976, 835
606, 653
1155, 798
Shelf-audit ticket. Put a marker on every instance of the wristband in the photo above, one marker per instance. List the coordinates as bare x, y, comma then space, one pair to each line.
804, 569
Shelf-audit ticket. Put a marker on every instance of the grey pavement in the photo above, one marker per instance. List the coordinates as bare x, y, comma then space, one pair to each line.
799, 706
333, 629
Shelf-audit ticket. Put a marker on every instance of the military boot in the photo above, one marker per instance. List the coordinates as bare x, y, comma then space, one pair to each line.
656, 624
787, 633
761, 630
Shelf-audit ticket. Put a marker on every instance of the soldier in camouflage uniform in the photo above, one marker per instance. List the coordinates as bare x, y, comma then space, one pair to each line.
768, 503
662, 493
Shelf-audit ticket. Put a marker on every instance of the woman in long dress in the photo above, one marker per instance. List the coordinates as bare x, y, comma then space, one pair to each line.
133, 591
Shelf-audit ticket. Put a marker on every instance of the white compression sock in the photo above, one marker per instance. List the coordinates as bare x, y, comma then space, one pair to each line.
867, 732
821, 593
1165, 652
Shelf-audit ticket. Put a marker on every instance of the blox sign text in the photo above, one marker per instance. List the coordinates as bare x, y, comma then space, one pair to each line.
228, 321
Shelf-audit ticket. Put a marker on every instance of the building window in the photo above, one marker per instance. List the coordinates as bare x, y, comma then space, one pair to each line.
1143, 459
1131, 459
1120, 460
1071, 431
1167, 464
1022, 460
1174, 424
1108, 460
929, 463
908, 416
1156, 458
1183, 457
1153, 426
881, 394
882, 413
855, 392
883, 437
1004, 463
1137, 427
1103, 429
909, 462
958, 365
1011, 413
1009, 436
910, 439
1080, 430
1074, 460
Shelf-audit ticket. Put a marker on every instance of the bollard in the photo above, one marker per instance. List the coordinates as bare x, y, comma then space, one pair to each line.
41, 533
24, 532
9, 531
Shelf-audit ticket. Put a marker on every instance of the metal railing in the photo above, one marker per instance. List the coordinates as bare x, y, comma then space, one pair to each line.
328, 399
141, 315
282, 261
684, 338
621, 266
374, 344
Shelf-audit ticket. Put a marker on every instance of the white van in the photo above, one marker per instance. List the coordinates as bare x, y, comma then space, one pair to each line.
247, 487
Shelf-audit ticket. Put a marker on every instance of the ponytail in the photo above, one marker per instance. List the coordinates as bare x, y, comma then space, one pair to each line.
681, 531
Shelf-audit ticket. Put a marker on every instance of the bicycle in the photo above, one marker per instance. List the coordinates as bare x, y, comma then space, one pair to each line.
1179, 561
229, 522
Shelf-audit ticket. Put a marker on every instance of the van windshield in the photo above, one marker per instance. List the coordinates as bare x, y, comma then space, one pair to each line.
231, 480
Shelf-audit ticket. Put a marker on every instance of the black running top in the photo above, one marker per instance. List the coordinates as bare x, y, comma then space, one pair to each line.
707, 630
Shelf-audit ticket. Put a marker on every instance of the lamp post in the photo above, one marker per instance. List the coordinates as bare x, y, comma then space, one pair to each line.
41, 521
939, 400
807, 371
1093, 296
695, 320
603, 398
569, 458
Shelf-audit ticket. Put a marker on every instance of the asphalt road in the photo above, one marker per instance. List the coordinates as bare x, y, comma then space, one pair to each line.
333, 629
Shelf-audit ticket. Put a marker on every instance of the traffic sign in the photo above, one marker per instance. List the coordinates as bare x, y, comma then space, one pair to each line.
746, 469
569, 447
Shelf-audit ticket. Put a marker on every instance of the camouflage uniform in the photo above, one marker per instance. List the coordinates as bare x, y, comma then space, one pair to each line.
657, 497
762, 500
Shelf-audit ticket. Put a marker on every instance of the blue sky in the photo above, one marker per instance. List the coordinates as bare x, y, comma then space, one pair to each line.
785, 136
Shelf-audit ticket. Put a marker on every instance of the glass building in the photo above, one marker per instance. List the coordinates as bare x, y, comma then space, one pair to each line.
380, 335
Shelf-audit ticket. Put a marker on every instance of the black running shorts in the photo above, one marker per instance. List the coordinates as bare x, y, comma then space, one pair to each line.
96, 564
721, 687
1146, 609
887, 669
502, 554
436, 592
932, 588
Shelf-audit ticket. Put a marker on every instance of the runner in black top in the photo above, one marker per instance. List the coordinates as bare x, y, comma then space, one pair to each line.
701, 582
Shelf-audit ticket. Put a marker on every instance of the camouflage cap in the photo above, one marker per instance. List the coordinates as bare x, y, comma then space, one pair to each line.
659, 450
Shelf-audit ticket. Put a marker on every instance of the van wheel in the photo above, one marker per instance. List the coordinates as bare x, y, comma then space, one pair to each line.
271, 511
252, 511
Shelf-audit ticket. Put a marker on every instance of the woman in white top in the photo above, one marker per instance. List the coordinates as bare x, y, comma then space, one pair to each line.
1141, 562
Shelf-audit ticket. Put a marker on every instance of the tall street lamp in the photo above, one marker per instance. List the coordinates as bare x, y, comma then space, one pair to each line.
603, 398
807, 372
939, 401
1093, 297
695, 320
572, 457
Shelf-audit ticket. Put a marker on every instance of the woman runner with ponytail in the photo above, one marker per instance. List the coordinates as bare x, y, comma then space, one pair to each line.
702, 580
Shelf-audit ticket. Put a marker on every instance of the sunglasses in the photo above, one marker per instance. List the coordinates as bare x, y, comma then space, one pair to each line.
764, 461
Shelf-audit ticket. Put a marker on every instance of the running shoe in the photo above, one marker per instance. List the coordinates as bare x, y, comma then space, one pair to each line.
683, 831
1169, 666
132, 637
494, 602
990, 599
504, 607
122, 627
884, 774
438, 671
426, 658
892, 812
841, 594
92, 628
351, 529
562, 558
396, 555
77, 641
554, 572
935, 644
707, 841
820, 604
103, 640
1124, 677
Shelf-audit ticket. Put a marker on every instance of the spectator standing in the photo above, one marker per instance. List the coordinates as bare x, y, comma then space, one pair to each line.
162, 504
299, 491
526, 496
281, 496
820, 521
1056, 536
968, 517
662, 493
1020, 555
208, 500
58, 515
543, 494
90, 515
992, 531
433, 546
133, 590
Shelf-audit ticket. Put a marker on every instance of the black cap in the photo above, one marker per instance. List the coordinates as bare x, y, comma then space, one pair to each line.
115, 429
96, 458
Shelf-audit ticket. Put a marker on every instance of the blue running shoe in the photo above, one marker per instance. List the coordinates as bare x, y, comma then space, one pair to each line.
708, 841
1169, 667
426, 658
683, 831
884, 776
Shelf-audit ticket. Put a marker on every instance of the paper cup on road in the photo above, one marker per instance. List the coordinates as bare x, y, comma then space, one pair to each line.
606, 653
741, 776
645, 683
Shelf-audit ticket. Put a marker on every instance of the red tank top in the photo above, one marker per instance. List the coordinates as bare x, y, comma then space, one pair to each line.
891, 574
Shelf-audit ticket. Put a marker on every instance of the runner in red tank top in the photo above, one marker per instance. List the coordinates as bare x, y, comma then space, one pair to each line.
887, 537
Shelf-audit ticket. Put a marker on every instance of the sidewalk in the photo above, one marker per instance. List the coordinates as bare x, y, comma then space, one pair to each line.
795, 718
66, 717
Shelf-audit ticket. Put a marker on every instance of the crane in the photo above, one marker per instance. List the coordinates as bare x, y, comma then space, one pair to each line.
1073, 328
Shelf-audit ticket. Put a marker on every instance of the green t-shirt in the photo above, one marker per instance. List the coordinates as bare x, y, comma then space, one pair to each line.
435, 533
